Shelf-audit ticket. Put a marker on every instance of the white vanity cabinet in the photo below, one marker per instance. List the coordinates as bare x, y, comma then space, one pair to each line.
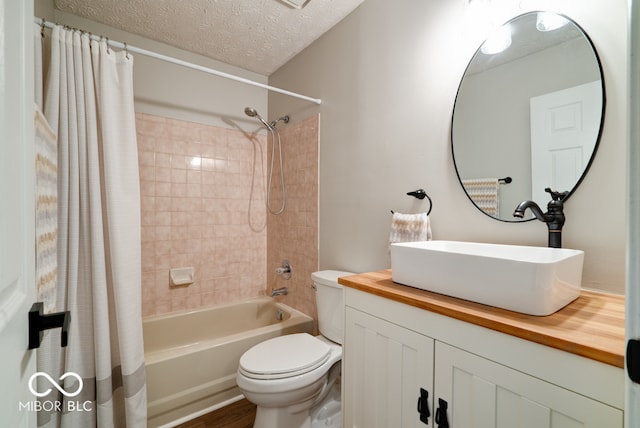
483, 393
384, 367
487, 379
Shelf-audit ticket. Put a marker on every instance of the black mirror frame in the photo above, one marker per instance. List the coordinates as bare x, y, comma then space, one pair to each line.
600, 130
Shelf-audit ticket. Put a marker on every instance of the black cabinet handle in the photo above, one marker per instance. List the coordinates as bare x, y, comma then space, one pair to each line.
441, 414
39, 322
423, 406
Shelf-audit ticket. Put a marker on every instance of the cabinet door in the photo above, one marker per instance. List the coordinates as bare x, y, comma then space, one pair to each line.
481, 394
385, 366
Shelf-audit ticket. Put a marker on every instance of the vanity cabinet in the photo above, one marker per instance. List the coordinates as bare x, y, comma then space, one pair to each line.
483, 393
396, 354
384, 368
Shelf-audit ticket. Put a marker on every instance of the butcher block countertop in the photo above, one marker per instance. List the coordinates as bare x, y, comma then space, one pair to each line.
591, 326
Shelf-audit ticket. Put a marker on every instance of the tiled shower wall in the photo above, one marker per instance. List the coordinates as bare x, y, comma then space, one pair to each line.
293, 235
203, 206
202, 190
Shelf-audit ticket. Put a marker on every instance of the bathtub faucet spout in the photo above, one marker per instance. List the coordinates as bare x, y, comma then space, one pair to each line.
283, 291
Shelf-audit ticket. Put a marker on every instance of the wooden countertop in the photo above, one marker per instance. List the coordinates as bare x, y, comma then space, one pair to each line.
591, 326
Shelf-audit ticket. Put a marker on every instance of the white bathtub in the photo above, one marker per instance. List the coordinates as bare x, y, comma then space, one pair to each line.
192, 357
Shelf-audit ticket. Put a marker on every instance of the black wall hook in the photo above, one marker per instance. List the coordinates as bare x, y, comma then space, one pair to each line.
39, 322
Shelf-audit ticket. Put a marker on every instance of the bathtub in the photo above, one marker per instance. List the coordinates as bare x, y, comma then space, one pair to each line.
191, 357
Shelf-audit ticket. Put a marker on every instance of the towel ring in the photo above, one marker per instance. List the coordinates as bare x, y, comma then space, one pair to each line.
420, 194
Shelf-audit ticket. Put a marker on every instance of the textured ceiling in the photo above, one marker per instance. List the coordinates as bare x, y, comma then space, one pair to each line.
257, 35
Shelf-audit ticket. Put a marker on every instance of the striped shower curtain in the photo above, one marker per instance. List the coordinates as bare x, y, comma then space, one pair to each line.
88, 102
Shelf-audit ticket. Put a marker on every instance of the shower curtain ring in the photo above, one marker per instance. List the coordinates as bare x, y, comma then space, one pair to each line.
108, 50
126, 50
42, 27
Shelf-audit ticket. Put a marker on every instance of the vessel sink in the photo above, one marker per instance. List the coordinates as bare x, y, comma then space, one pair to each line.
530, 280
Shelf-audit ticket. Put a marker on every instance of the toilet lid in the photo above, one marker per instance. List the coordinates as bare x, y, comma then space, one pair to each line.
284, 356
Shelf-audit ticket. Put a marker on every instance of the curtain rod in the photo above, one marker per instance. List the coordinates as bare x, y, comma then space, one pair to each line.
186, 64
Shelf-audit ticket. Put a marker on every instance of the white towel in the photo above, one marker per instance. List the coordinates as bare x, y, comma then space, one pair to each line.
410, 227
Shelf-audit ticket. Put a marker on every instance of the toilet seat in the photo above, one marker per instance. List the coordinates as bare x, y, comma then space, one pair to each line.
284, 357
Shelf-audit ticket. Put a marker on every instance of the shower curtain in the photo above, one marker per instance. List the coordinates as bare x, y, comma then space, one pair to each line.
88, 101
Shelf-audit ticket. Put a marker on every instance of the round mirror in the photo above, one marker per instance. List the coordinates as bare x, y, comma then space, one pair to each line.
528, 114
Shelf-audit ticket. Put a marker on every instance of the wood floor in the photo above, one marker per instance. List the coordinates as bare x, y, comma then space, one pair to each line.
240, 414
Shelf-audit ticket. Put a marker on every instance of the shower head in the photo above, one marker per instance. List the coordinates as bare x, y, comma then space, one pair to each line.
284, 119
251, 112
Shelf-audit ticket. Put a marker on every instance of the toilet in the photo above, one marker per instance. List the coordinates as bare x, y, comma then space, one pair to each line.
295, 379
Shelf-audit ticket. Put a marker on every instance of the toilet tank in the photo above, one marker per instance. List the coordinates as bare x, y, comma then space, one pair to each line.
330, 303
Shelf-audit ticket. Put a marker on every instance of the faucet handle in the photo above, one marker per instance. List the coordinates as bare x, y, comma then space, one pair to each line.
555, 195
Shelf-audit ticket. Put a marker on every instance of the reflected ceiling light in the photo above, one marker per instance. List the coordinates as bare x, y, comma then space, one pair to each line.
547, 21
297, 4
498, 41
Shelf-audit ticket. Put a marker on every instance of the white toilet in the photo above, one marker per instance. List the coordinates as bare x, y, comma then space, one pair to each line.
292, 378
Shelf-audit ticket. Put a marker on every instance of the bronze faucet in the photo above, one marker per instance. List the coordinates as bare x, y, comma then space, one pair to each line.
554, 217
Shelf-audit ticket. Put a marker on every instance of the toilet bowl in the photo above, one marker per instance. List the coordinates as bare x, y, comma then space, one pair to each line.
295, 379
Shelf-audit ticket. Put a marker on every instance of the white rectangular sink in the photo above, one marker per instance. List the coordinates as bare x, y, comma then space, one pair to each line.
530, 280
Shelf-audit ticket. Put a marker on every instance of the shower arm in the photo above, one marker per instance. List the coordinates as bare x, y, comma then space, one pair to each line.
252, 112
284, 119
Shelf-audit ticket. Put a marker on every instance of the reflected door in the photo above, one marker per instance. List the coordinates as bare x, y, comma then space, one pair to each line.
562, 126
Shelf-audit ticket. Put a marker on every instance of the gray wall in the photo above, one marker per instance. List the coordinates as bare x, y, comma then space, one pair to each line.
388, 75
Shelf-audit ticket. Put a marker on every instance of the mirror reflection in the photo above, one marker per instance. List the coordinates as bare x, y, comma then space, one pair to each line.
528, 113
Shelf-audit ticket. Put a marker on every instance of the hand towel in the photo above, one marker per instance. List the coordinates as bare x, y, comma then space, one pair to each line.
484, 193
410, 227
